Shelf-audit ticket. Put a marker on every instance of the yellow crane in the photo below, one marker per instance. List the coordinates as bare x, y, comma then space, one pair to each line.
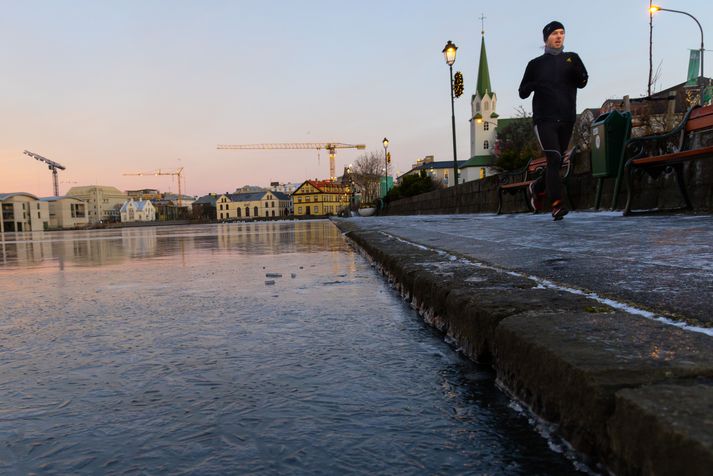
178, 173
329, 146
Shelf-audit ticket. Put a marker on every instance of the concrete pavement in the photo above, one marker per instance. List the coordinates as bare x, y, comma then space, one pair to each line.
660, 263
631, 393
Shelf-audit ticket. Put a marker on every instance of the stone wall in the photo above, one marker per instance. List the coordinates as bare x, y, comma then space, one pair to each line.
482, 195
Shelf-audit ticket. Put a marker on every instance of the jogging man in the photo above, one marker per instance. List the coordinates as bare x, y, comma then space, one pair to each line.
554, 77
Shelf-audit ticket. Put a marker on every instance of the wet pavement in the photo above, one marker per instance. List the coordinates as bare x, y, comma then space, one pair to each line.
662, 263
171, 350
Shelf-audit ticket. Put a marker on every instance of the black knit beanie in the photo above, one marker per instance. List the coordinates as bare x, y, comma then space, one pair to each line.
549, 28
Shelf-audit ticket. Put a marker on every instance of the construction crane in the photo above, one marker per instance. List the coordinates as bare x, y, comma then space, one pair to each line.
178, 173
53, 166
330, 146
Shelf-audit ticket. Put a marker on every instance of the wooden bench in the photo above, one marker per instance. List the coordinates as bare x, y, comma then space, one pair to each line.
519, 180
666, 153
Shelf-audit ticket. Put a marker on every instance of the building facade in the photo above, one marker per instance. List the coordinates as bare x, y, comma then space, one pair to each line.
483, 125
66, 212
320, 198
139, 210
265, 204
23, 212
441, 172
103, 202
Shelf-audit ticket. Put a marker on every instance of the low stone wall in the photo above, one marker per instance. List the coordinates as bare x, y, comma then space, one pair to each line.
633, 395
482, 195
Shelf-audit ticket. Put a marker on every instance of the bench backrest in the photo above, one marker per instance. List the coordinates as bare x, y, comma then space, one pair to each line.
536, 166
700, 119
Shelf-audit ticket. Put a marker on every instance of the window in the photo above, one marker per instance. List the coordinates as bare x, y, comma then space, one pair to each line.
299, 199
247, 211
486, 144
477, 107
485, 105
486, 126
299, 210
267, 213
239, 211
273, 204
38, 213
316, 209
273, 213
256, 211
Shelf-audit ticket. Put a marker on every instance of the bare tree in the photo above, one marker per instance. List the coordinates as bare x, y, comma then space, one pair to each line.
367, 173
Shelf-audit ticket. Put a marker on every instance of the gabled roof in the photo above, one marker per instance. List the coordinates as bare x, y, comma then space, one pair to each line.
322, 186
480, 161
142, 204
246, 197
281, 195
207, 199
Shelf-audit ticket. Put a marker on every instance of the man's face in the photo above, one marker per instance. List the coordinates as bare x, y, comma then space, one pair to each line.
556, 39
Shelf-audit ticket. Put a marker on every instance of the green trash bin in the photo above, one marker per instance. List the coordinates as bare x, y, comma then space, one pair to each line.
609, 134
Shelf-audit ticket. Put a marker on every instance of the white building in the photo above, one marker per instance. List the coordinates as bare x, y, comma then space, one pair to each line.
483, 125
23, 211
286, 188
66, 212
141, 210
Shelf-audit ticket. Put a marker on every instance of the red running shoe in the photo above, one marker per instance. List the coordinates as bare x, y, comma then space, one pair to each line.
558, 211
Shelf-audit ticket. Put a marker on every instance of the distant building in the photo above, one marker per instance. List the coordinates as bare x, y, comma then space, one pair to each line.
204, 208
265, 204
66, 212
286, 188
140, 210
103, 202
483, 126
441, 172
320, 198
23, 211
250, 189
144, 194
660, 111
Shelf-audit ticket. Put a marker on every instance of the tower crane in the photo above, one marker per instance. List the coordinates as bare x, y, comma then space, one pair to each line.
52, 165
330, 146
178, 173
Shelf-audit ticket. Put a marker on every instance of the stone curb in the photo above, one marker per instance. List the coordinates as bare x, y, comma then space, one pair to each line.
592, 371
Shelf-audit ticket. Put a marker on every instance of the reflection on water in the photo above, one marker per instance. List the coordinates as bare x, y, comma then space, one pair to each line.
102, 247
162, 350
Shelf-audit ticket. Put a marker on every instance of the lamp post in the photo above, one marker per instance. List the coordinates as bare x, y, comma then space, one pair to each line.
449, 51
386, 165
656, 8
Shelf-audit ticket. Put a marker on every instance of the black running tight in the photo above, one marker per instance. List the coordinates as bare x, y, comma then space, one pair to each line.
554, 138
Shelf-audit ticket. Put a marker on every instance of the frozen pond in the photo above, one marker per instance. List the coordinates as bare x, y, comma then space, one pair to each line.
168, 350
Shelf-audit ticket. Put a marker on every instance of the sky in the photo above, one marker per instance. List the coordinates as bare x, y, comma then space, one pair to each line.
125, 86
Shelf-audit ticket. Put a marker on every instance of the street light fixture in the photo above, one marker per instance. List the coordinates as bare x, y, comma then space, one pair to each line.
386, 165
657, 8
449, 51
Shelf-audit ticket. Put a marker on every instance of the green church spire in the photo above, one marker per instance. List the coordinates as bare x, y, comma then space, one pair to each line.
483, 86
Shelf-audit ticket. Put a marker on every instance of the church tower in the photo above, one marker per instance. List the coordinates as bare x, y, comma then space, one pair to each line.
483, 123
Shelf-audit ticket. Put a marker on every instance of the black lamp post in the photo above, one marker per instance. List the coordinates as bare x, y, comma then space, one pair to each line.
656, 8
450, 53
386, 165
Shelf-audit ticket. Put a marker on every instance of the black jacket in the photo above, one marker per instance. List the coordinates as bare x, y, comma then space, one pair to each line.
554, 80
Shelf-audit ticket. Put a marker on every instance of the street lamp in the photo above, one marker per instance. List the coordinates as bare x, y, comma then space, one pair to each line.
449, 51
386, 165
656, 8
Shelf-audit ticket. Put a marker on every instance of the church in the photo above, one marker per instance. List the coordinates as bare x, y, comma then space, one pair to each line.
483, 124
